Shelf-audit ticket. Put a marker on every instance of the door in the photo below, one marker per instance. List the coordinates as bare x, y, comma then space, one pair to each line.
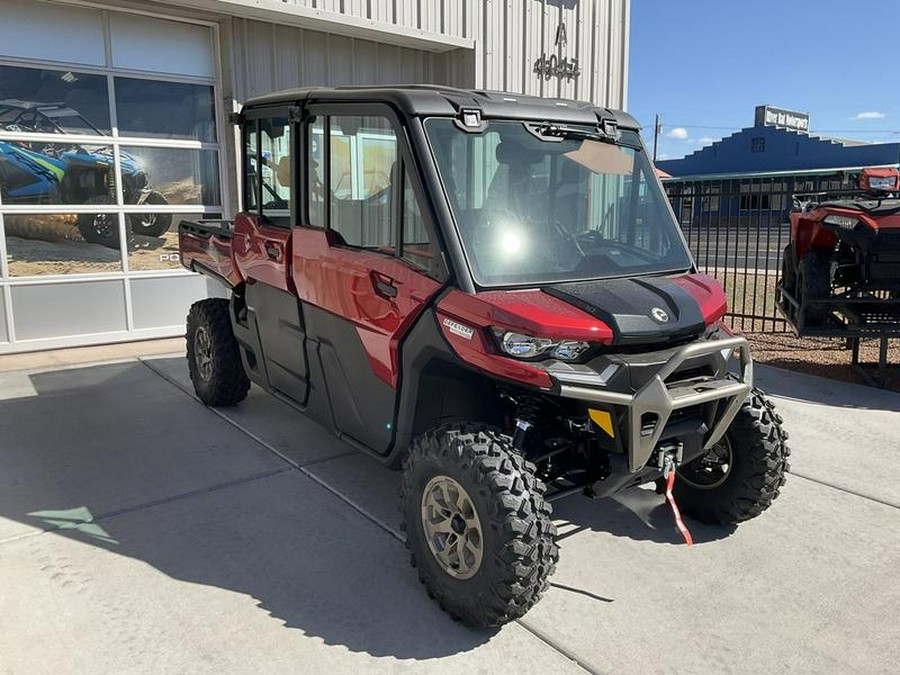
369, 268
262, 251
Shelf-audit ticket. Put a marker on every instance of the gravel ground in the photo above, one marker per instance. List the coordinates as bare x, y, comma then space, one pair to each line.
824, 357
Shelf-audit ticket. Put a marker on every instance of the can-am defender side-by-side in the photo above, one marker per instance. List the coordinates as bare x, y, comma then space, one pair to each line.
491, 292
65, 173
841, 269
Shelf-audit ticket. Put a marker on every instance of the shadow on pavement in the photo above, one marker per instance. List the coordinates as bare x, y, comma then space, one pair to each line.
304, 560
115, 457
637, 514
122, 460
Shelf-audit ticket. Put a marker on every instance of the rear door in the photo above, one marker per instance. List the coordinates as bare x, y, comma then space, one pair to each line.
365, 266
262, 251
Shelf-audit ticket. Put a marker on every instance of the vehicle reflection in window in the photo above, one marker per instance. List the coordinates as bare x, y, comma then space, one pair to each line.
155, 109
39, 244
35, 100
180, 176
59, 173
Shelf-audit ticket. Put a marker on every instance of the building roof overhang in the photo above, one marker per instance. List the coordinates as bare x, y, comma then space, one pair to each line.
337, 23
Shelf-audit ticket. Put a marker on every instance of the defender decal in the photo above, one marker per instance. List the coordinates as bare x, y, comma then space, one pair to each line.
459, 329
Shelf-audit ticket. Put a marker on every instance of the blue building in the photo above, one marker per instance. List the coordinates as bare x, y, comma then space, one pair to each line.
751, 175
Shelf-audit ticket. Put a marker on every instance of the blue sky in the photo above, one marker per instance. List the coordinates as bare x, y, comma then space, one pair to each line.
702, 64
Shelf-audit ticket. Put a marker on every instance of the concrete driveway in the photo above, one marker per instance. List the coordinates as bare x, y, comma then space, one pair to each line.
143, 532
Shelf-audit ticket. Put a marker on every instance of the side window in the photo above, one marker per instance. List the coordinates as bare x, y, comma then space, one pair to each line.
275, 169
417, 249
251, 168
315, 144
363, 182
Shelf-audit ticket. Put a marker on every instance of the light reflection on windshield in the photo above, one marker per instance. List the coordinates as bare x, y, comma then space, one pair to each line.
536, 211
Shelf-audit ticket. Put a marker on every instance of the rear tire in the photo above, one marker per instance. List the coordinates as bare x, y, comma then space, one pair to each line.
756, 453
214, 359
502, 501
789, 278
789, 270
815, 284
151, 224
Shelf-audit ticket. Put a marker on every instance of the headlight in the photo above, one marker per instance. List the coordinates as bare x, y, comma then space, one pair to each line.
843, 222
522, 346
882, 183
570, 350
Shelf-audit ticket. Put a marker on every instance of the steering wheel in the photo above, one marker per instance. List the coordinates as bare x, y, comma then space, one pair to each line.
590, 239
568, 238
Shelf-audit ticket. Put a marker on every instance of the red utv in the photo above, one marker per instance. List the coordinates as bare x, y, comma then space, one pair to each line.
490, 292
841, 270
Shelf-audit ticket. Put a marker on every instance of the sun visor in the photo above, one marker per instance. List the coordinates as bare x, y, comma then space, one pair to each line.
603, 158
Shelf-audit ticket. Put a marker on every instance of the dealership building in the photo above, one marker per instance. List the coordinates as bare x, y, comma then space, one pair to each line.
750, 177
114, 125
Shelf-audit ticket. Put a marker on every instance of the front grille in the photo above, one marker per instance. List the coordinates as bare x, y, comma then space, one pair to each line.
700, 372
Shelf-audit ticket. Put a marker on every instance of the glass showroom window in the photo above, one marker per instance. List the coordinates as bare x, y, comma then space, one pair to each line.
97, 169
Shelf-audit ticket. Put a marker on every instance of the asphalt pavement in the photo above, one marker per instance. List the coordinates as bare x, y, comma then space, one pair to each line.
142, 532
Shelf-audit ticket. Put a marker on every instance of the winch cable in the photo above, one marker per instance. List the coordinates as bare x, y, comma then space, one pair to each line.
670, 483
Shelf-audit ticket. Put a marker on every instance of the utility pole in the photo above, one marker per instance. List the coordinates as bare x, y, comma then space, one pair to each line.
656, 128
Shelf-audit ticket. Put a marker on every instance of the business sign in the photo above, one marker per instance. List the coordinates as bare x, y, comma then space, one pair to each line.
779, 117
558, 65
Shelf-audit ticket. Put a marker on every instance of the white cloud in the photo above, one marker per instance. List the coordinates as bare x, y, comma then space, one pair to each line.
707, 140
870, 115
678, 132
663, 155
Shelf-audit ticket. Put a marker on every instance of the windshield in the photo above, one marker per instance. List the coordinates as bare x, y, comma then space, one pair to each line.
69, 121
557, 209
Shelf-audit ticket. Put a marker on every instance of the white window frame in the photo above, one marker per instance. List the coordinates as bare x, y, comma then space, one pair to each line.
115, 141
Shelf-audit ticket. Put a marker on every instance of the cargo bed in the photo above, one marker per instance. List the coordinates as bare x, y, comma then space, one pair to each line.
205, 247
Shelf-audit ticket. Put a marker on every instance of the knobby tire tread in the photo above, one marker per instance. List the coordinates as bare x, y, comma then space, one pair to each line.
526, 551
229, 383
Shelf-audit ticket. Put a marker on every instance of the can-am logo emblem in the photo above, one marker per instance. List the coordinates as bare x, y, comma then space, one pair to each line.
659, 314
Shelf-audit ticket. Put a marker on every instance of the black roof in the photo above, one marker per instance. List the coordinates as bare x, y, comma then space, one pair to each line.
435, 100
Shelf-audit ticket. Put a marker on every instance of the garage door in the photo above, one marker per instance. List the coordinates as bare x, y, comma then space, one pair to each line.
109, 136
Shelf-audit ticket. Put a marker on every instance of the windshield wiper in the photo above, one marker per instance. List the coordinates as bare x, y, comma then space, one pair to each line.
551, 131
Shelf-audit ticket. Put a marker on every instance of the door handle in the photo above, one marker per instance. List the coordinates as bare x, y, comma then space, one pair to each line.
383, 286
273, 250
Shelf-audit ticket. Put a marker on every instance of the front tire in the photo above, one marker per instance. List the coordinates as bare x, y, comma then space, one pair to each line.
214, 359
740, 476
477, 526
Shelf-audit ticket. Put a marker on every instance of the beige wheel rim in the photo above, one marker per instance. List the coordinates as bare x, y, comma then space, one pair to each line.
452, 527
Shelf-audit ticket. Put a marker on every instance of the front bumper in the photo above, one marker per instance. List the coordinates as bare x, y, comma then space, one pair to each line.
651, 406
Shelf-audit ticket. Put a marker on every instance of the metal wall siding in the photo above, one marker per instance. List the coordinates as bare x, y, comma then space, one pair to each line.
273, 57
430, 15
382, 11
448, 17
517, 32
510, 36
494, 44
328, 5
513, 54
